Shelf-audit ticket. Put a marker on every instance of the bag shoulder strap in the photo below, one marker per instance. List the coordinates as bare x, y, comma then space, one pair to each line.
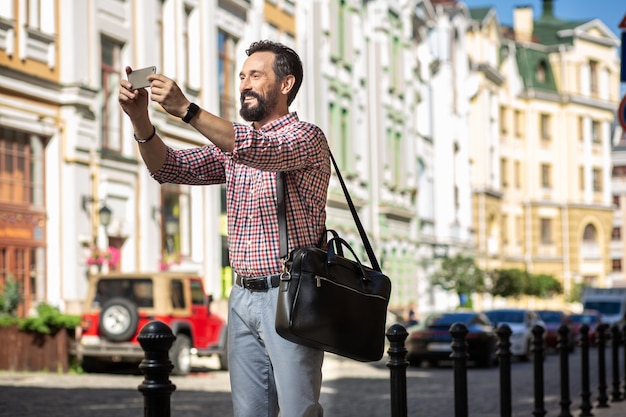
282, 217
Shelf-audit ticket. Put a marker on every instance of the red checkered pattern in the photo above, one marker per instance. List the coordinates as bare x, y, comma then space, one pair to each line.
286, 144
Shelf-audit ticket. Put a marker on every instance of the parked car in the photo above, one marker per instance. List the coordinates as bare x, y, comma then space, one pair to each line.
554, 319
430, 340
591, 318
521, 322
118, 305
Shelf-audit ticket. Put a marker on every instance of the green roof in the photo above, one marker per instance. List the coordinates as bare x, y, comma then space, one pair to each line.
533, 63
479, 13
545, 30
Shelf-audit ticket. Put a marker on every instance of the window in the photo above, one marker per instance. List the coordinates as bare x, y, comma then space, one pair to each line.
616, 234
21, 168
581, 128
540, 73
226, 73
616, 201
519, 123
504, 229
544, 123
546, 231
597, 180
175, 224
503, 172
593, 76
596, 134
581, 178
110, 79
590, 234
503, 120
517, 174
546, 181
616, 265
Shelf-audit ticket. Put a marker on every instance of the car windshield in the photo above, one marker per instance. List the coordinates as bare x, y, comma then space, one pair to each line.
139, 291
604, 307
448, 319
583, 318
550, 316
505, 316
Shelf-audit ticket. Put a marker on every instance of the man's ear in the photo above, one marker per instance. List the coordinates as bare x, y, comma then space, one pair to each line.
287, 84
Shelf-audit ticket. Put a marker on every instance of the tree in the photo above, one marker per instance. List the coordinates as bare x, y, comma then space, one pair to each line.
543, 285
508, 282
461, 275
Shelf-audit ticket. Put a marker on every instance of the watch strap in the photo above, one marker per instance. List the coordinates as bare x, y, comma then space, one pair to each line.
192, 110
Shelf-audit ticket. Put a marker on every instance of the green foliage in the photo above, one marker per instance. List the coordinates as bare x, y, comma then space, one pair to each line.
48, 320
543, 285
460, 274
10, 297
508, 282
576, 293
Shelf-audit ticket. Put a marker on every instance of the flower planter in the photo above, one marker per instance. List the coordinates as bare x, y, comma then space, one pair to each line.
31, 351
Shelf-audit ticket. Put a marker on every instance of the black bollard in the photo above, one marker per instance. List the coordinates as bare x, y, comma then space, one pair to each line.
603, 399
397, 364
538, 355
564, 350
504, 359
155, 339
616, 394
585, 406
459, 358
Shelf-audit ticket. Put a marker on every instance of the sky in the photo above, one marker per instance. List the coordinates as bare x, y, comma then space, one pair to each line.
610, 12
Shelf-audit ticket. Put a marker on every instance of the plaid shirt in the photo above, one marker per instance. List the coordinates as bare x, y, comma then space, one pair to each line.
286, 144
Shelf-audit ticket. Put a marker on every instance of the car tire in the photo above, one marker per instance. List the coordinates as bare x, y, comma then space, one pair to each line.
119, 319
180, 355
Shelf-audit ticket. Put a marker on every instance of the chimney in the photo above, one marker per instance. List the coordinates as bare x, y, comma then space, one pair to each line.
523, 23
548, 9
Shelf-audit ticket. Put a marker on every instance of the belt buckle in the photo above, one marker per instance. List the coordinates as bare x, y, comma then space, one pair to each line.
259, 284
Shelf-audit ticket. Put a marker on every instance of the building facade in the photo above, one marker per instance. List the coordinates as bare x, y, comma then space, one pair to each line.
541, 123
454, 135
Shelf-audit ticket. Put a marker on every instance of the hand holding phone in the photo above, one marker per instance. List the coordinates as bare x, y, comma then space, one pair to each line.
138, 78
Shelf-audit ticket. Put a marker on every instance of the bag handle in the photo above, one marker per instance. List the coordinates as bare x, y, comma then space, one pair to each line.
338, 242
282, 218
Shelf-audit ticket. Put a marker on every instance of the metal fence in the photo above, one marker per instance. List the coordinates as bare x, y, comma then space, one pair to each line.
156, 338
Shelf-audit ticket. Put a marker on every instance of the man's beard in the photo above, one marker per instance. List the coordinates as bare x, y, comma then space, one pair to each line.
263, 107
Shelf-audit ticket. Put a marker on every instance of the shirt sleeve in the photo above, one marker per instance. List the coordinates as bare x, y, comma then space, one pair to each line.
295, 146
195, 166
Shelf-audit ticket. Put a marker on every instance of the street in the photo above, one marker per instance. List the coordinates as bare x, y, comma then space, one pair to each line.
350, 389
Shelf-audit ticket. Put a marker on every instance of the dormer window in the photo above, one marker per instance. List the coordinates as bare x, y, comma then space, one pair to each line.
540, 73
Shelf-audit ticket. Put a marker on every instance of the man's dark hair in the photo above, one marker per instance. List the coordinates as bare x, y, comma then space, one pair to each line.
286, 62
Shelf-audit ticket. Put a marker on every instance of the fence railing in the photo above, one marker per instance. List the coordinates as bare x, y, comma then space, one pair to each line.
156, 338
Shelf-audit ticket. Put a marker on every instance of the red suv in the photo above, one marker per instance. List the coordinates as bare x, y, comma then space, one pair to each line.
119, 305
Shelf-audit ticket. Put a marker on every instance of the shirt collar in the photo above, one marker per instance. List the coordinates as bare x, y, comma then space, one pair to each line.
280, 122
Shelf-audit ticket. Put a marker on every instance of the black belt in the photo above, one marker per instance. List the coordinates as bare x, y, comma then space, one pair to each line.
262, 283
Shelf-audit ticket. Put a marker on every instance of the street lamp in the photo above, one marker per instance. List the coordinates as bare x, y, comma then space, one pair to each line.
440, 250
104, 214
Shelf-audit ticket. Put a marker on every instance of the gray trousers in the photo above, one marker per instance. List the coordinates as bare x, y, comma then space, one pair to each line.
269, 374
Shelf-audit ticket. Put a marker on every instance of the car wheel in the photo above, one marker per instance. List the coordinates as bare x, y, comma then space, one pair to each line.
118, 319
180, 355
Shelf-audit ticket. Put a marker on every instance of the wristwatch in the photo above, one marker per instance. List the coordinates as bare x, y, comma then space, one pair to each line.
192, 110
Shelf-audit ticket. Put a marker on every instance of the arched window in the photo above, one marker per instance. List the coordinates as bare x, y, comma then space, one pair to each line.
590, 234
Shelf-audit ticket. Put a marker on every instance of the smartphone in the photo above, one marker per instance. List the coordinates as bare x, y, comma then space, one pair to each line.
138, 78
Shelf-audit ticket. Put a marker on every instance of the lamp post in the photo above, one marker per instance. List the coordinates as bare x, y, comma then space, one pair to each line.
103, 217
